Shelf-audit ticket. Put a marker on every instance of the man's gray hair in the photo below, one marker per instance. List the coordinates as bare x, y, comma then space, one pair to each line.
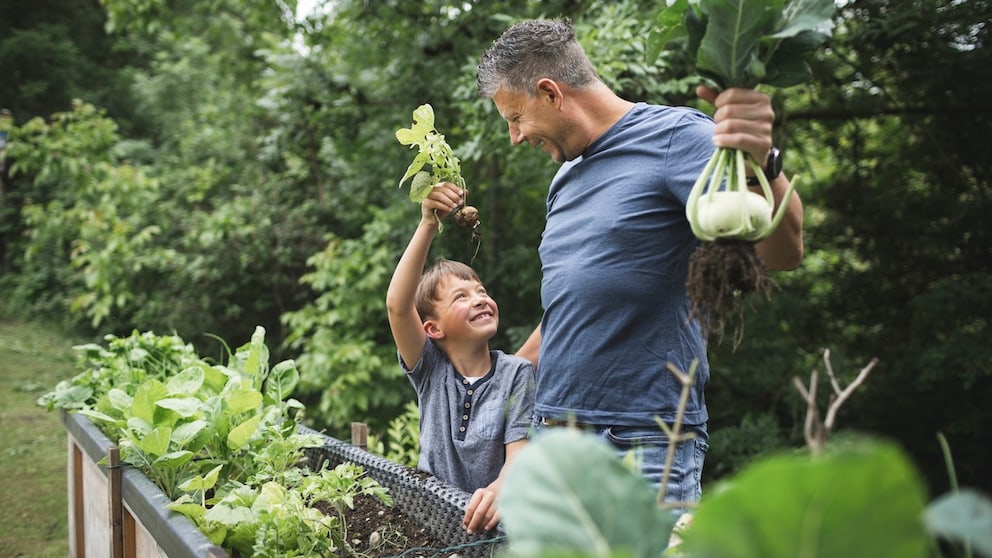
532, 50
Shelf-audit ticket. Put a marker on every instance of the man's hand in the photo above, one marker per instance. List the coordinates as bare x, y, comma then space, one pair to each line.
744, 119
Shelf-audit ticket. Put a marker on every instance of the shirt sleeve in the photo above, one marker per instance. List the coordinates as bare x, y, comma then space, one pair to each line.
520, 405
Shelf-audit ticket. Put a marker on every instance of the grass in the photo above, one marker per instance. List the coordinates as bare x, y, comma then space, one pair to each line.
33, 503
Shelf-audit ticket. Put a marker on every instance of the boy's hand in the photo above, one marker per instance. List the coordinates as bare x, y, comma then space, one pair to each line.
481, 514
444, 198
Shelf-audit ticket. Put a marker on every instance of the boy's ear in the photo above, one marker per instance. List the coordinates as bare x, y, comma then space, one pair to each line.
432, 330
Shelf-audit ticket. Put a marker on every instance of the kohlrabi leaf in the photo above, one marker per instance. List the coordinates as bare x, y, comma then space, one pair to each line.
156, 443
174, 459
568, 492
204, 482
730, 50
669, 27
744, 43
282, 381
187, 382
421, 186
182, 406
792, 505
416, 165
800, 16
788, 65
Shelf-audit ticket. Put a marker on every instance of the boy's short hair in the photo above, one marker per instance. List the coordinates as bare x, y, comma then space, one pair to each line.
431, 280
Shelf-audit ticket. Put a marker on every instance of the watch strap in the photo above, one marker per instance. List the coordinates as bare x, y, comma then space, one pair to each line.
772, 168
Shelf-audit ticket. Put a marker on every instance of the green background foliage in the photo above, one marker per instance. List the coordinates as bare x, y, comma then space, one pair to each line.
228, 164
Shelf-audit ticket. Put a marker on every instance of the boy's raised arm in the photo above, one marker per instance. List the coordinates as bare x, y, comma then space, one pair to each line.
406, 326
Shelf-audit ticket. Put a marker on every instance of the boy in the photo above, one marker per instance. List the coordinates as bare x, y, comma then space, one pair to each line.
476, 405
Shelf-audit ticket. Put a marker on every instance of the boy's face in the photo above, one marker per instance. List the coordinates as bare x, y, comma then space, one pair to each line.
464, 310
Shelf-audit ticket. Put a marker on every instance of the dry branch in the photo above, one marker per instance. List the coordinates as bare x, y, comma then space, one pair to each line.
816, 430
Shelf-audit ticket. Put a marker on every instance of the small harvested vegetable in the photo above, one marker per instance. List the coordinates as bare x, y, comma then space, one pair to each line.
737, 43
444, 166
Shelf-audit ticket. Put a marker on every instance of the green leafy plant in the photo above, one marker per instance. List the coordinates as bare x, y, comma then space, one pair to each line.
738, 44
281, 516
568, 493
122, 362
434, 151
222, 441
859, 499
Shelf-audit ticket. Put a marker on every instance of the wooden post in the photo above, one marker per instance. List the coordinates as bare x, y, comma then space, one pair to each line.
116, 506
359, 434
78, 501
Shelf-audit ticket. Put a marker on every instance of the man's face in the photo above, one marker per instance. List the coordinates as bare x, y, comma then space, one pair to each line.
537, 121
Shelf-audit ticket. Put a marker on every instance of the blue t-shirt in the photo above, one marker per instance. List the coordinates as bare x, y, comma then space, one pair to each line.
465, 426
615, 256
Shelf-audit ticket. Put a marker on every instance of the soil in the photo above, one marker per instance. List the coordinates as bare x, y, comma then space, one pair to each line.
723, 274
378, 530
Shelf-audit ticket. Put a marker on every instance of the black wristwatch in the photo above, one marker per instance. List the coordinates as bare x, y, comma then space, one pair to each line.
773, 167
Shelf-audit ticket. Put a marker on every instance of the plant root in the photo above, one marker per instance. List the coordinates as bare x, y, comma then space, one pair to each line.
723, 274
467, 216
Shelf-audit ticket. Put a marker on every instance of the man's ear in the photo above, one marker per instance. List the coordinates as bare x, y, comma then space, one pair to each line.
432, 330
548, 90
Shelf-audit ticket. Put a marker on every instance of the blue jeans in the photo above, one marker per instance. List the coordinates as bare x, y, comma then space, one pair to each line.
648, 447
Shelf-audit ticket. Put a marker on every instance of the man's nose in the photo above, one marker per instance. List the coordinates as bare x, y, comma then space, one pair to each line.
516, 138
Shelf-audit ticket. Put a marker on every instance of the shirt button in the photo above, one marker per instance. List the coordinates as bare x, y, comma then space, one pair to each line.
467, 405
464, 417
469, 392
462, 429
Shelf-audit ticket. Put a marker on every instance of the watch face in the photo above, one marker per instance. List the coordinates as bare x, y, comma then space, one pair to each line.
774, 165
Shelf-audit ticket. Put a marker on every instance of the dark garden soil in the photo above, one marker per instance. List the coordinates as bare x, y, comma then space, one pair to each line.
375, 529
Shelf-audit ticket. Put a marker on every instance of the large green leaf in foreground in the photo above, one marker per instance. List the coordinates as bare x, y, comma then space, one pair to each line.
864, 500
567, 494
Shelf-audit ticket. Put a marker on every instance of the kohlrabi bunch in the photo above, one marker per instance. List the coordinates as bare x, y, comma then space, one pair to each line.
738, 44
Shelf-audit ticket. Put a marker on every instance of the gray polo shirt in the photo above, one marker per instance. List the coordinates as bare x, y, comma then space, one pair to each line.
465, 426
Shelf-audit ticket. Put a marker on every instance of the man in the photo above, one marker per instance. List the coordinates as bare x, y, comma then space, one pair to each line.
616, 245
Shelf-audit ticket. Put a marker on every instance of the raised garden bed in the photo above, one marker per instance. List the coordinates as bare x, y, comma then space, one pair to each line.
431, 502
118, 512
